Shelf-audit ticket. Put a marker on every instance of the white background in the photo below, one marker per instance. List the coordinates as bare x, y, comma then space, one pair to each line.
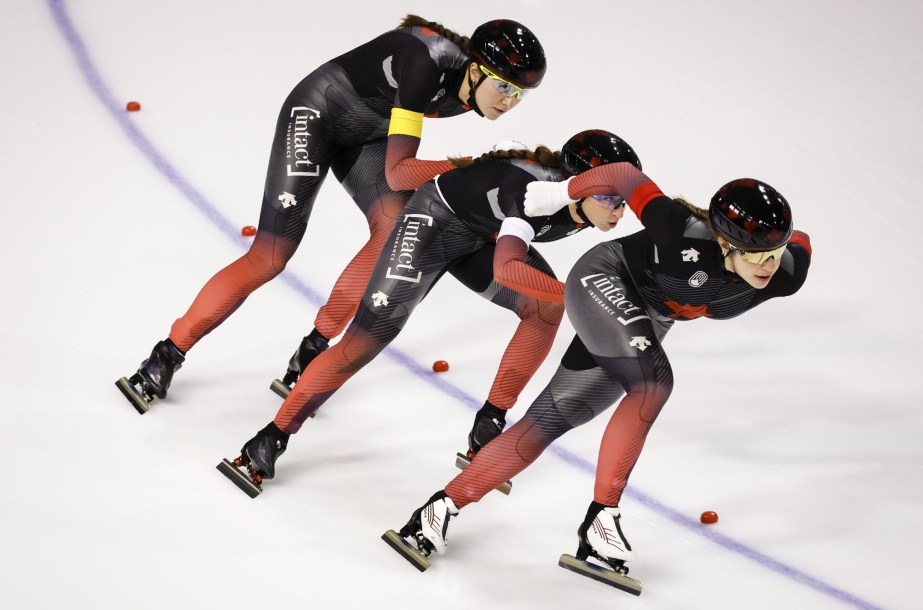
798, 422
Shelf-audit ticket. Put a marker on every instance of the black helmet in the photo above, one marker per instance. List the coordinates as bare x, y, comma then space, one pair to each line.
594, 147
751, 215
510, 50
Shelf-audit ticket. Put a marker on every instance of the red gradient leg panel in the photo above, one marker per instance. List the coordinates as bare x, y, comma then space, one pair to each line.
228, 288
624, 438
324, 376
539, 321
499, 461
339, 309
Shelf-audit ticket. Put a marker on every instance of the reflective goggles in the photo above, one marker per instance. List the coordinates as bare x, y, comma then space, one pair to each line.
757, 258
506, 88
612, 202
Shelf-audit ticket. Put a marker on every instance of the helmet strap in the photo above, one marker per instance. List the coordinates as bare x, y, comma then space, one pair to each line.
472, 87
582, 214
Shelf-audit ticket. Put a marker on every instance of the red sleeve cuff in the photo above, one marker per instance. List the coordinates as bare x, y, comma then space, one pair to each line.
642, 196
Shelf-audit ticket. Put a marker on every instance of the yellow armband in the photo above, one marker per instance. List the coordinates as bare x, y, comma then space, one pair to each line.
406, 123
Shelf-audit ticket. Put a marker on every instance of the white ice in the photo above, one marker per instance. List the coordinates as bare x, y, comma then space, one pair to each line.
795, 422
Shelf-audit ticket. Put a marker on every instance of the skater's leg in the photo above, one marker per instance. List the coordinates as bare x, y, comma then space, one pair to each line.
534, 336
627, 345
288, 198
539, 322
430, 237
530, 344
625, 434
227, 290
361, 170
604, 361
579, 391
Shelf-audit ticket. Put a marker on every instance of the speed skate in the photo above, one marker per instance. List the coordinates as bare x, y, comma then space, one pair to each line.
614, 576
250, 482
135, 391
418, 557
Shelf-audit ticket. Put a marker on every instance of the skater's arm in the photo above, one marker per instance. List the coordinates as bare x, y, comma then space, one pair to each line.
659, 214
511, 269
419, 79
616, 179
403, 170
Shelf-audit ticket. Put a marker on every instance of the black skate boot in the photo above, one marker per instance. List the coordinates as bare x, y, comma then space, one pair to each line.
154, 376
488, 424
310, 347
258, 456
600, 536
427, 528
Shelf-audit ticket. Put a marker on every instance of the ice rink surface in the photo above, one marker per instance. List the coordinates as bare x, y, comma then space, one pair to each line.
798, 422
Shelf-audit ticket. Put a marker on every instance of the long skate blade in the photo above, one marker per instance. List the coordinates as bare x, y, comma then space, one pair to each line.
414, 556
279, 388
228, 469
462, 462
603, 575
137, 401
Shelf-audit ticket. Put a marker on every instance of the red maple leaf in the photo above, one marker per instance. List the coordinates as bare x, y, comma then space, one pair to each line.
688, 312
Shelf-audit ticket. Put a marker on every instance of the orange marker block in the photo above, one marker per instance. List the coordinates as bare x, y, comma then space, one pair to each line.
709, 517
440, 366
133, 106
248, 231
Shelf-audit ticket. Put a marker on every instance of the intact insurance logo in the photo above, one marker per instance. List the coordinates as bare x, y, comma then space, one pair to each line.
296, 145
608, 295
404, 246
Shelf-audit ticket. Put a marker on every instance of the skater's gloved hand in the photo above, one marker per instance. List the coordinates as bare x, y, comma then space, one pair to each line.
546, 198
488, 424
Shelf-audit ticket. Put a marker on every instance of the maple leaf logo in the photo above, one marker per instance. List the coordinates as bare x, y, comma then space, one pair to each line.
687, 312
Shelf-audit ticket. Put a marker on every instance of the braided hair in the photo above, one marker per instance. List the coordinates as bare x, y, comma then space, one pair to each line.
696, 210
542, 154
416, 21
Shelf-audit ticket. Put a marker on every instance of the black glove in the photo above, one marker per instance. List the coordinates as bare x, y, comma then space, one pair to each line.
488, 424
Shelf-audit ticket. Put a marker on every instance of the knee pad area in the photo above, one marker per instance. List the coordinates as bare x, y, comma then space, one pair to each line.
269, 256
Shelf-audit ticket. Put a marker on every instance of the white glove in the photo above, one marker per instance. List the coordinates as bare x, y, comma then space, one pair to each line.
546, 198
509, 145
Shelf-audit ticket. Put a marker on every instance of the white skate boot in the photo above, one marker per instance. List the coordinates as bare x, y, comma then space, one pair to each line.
427, 528
600, 536
605, 538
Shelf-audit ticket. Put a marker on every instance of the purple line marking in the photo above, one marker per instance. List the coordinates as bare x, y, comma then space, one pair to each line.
99, 88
